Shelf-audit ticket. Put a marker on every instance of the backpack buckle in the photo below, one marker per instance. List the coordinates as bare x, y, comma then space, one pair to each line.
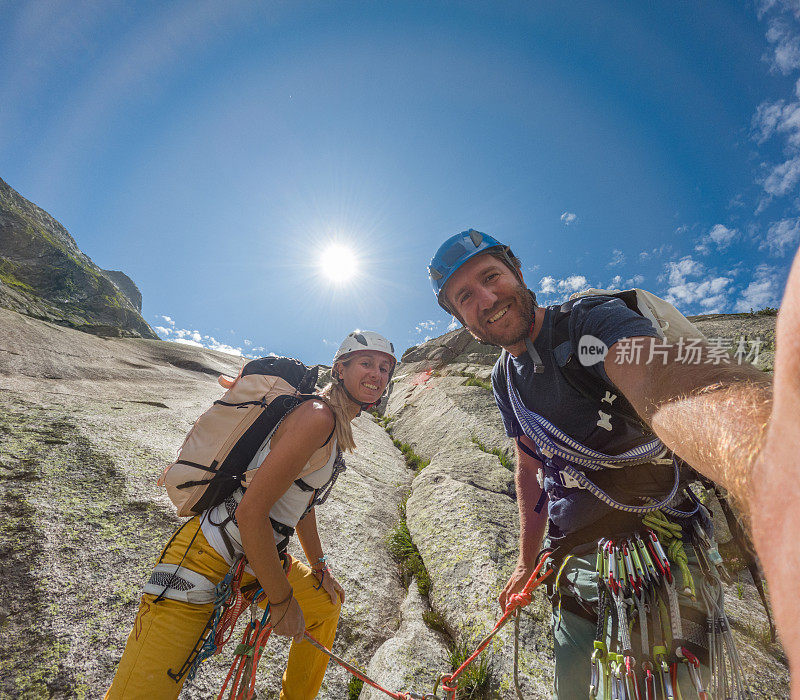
568, 481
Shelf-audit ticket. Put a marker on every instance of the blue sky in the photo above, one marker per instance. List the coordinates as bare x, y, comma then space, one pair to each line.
212, 150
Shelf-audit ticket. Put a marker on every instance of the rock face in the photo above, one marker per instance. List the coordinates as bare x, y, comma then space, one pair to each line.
127, 286
44, 274
87, 423
86, 426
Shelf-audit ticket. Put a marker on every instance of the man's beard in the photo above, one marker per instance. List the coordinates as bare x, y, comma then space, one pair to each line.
523, 306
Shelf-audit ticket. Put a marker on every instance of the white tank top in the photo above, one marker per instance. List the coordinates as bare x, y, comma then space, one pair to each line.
287, 510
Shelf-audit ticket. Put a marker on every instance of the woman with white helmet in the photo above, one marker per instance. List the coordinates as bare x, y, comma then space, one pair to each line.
308, 442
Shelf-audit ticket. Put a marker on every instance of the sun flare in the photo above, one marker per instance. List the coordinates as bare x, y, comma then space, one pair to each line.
338, 263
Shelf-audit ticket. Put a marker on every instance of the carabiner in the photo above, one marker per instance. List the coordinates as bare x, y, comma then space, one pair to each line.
647, 561
631, 686
658, 555
649, 681
630, 570
599, 660
660, 656
693, 664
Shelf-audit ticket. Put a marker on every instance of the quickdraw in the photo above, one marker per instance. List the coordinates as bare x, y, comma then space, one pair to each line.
636, 573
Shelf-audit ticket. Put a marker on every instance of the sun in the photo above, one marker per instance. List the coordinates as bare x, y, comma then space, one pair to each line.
338, 263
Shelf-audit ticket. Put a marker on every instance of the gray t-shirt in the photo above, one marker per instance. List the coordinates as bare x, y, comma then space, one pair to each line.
585, 419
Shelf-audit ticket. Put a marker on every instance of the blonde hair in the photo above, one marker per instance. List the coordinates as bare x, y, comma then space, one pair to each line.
337, 399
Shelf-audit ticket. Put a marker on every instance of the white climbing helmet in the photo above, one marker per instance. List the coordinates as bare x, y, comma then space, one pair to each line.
365, 340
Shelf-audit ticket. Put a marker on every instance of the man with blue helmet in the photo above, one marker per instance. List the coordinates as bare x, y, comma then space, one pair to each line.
569, 418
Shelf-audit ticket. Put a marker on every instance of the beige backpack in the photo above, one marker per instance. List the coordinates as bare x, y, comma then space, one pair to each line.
223, 441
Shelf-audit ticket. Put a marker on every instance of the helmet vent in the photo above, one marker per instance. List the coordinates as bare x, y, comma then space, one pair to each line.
476, 236
361, 339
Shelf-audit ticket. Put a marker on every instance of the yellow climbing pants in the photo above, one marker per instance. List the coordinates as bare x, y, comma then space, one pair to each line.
164, 633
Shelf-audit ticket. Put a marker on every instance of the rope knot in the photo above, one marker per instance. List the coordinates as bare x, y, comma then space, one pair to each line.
519, 600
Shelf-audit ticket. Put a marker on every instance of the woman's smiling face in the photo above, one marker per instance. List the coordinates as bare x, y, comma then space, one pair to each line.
366, 374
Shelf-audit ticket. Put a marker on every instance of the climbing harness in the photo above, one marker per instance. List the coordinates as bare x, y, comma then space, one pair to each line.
229, 602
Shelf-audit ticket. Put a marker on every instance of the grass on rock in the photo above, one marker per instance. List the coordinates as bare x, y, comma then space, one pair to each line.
476, 681
505, 459
406, 554
413, 460
354, 687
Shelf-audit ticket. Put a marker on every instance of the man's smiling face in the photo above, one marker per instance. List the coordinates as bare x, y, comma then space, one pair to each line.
494, 305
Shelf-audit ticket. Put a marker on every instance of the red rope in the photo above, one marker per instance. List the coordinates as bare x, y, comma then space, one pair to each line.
261, 636
519, 600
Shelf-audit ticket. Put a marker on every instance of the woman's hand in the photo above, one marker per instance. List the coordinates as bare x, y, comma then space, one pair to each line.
330, 584
288, 620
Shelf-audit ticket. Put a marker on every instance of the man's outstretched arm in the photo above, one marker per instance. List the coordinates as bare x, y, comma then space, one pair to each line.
713, 416
720, 419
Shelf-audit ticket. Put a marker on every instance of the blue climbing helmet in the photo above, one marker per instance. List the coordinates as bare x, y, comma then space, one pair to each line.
455, 251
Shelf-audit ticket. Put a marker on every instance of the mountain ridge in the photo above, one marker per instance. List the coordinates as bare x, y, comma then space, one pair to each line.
44, 274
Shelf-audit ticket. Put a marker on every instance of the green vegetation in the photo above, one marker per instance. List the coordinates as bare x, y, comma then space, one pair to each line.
435, 621
472, 380
476, 682
766, 311
354, 688
406, 554
413, 460
383, 421
505, 458
8, 275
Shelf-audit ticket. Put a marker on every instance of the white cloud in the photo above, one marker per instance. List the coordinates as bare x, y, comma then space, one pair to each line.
247, 342
762, 291
426, 326
711, 294
617, 258
685, 267
782, 178
454, 323
781, 235
722, 235
186, 336
615, 282
777, 118
568, 218
786, 52
655, 252
635, 281
573, 283
764, 6
547, 285
186, 341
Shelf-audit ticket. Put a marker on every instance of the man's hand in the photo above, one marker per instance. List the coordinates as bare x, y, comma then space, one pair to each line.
515, 584
330, 584
288, 620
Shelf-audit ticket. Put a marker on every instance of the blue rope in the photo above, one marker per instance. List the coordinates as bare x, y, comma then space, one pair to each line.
549, 438
553, 442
